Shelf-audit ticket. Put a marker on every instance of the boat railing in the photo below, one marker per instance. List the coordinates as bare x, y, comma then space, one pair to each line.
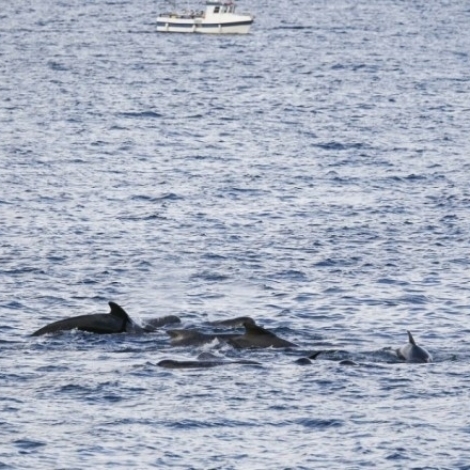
183, 15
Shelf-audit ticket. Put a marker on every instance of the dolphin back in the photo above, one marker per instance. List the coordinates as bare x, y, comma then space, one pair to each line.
257, 337
195, 337
411, 352
115, 321
156, 323
232, 322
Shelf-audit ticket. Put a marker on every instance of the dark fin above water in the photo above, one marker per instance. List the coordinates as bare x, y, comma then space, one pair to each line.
411, 352
410, 338
315, 355
118, 311
115, 321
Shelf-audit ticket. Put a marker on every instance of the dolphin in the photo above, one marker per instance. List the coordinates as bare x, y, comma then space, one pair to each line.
308, 360
257, 337
232, 322
195, 337
116, 321
173, 364
156, 323
411, 352
342, 362
204, 360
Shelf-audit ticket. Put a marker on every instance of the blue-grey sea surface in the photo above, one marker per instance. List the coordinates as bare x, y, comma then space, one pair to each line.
313, 175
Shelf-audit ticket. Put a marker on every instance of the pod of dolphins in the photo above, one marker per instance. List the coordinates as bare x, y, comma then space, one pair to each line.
255, 336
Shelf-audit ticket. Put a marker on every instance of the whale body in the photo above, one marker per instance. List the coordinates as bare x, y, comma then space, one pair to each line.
195, 337
411, 352
204, 360
232, 322
258, 337
254, 337
155, 323
116, 321
200, 364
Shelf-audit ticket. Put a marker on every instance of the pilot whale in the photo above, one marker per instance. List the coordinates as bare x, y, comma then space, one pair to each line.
258, 337
254, 337
116, 321
308, 360
155, 323
411, 352
201, 364
194, 337
204, 360
232, 322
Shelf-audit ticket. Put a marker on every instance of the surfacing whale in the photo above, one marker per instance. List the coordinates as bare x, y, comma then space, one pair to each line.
198, 364
411, 352
116, 321
195, 337
257, 337
308, 360
155, 323
232, 322
254, 337
204, 360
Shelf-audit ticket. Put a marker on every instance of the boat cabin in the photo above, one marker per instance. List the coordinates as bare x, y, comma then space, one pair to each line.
219, 8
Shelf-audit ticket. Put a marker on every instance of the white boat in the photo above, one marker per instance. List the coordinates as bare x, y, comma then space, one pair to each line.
219, 18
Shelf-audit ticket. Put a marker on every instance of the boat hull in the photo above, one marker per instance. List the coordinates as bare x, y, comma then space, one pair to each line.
181, 25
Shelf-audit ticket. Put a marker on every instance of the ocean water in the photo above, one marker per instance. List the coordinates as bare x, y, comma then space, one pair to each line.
313, 175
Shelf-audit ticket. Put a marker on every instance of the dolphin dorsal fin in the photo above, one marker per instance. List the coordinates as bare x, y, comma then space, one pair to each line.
315, 355
118, 311
411, 339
